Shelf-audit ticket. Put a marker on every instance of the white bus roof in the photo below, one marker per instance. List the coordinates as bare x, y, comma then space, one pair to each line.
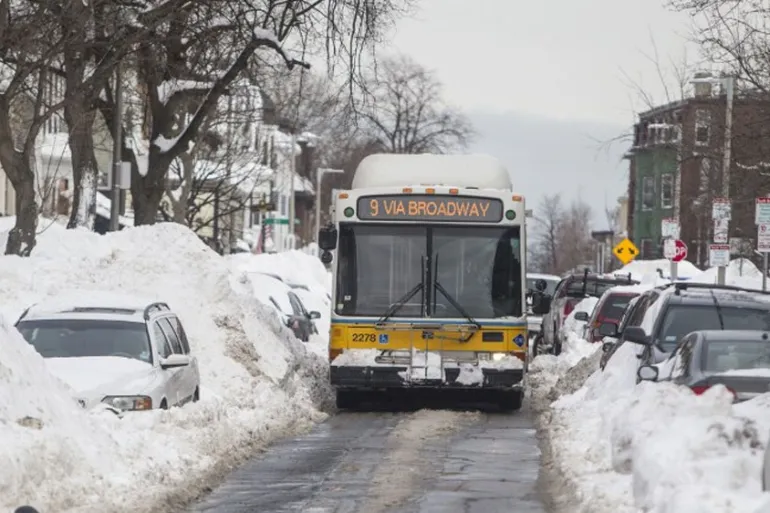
394, 170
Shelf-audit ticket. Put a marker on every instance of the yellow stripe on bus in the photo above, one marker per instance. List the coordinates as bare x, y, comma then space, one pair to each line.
362, 336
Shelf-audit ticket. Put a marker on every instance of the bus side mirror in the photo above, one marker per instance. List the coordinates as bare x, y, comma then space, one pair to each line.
327, 238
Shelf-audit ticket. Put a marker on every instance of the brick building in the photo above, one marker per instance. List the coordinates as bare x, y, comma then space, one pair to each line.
675, 169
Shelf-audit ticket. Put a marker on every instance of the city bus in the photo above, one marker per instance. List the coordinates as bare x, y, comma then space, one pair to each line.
428, 254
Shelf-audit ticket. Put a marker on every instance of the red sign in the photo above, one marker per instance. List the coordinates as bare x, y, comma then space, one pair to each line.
675, 250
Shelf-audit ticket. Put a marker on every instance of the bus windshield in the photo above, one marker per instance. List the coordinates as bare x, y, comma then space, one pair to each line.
478, 267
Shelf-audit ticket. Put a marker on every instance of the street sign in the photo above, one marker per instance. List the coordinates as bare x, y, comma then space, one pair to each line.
762, 211
669, 228
675, 250
721, 231
721, 209
763, 238
719, 255
625, 251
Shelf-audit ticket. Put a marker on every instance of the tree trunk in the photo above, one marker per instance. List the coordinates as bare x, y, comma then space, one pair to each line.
147, 191
81, 142
21, 239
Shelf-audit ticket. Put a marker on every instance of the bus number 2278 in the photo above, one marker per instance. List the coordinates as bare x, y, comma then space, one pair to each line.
364, 337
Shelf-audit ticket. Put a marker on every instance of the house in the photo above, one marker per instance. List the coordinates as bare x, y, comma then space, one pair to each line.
675, 166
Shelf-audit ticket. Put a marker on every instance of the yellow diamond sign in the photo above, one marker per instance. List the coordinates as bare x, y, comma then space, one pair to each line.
625, 251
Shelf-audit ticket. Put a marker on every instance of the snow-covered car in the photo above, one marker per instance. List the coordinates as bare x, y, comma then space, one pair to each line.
125, 353
273, 291
535, 322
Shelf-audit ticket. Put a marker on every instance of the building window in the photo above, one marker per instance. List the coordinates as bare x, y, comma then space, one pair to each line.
646, 249
648, 193
702, 127
667, 190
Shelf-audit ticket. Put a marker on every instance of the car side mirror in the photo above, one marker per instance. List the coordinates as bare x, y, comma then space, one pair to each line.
541, 303
175, 360
314, 315
581, 316
327, 238
608, 329
647, 373
637, 335
607, 347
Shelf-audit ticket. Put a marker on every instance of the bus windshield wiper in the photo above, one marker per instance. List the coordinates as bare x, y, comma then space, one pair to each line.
452, 301
400, 302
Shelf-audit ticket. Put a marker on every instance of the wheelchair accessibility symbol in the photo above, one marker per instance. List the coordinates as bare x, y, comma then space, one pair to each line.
383, 338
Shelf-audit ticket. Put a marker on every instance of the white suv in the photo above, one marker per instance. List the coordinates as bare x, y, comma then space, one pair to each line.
125, 353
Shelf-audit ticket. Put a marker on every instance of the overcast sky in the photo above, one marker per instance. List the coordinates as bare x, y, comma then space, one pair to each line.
544, 81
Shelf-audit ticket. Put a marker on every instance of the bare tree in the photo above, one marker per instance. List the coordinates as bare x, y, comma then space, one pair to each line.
561, 240
545, 250
28, 46
208, 46
405, 112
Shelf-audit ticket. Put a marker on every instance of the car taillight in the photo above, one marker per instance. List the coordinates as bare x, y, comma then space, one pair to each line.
700, 389
568, 307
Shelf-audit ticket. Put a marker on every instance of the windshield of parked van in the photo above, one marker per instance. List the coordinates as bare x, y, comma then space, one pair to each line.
681, 320
78, 338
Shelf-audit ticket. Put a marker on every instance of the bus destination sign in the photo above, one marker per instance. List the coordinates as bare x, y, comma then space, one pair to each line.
428, 207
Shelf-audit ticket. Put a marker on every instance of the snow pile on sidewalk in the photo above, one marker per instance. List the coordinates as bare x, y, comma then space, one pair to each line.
640, 269
257, 382
655, 447
740, 272
547, 372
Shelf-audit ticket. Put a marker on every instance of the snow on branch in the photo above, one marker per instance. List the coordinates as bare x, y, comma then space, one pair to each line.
267, 38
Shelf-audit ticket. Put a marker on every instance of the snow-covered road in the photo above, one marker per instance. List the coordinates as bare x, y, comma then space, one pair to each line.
429, 461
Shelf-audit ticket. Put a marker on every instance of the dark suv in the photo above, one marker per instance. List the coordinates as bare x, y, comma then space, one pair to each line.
659, 318
571, 290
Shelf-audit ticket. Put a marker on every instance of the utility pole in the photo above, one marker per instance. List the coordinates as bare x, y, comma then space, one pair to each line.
319, 174
117, 151
292, 173
729, 86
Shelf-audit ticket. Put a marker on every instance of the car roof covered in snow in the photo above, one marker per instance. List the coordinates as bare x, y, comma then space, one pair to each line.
471, 171
90, 304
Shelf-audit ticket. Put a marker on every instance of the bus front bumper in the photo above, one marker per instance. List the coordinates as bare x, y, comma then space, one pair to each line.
396, 376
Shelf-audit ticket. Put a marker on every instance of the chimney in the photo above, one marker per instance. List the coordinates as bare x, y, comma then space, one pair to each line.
702, 84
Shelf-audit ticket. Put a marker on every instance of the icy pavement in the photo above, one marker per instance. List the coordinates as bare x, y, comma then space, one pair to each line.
426, 462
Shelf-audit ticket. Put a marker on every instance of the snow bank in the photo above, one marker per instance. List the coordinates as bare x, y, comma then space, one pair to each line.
257, 381
740, 272
621, 447
639, 269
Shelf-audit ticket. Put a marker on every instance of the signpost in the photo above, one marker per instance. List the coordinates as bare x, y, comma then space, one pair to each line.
669, 228
674, 250
721, 213
719, 255
625, 251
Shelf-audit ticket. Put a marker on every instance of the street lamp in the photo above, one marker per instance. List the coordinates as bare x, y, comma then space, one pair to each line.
320, 172
729, 84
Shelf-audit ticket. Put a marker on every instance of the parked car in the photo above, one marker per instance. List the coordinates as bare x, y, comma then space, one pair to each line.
570, 291
611, 344
289, 307
664, 315
737, 360
610, 308
550, 281
125, 353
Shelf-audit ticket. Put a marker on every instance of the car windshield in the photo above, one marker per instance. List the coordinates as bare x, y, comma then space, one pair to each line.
479, 267
614, 306
725, 355
594, 288
78, 338
680, 320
